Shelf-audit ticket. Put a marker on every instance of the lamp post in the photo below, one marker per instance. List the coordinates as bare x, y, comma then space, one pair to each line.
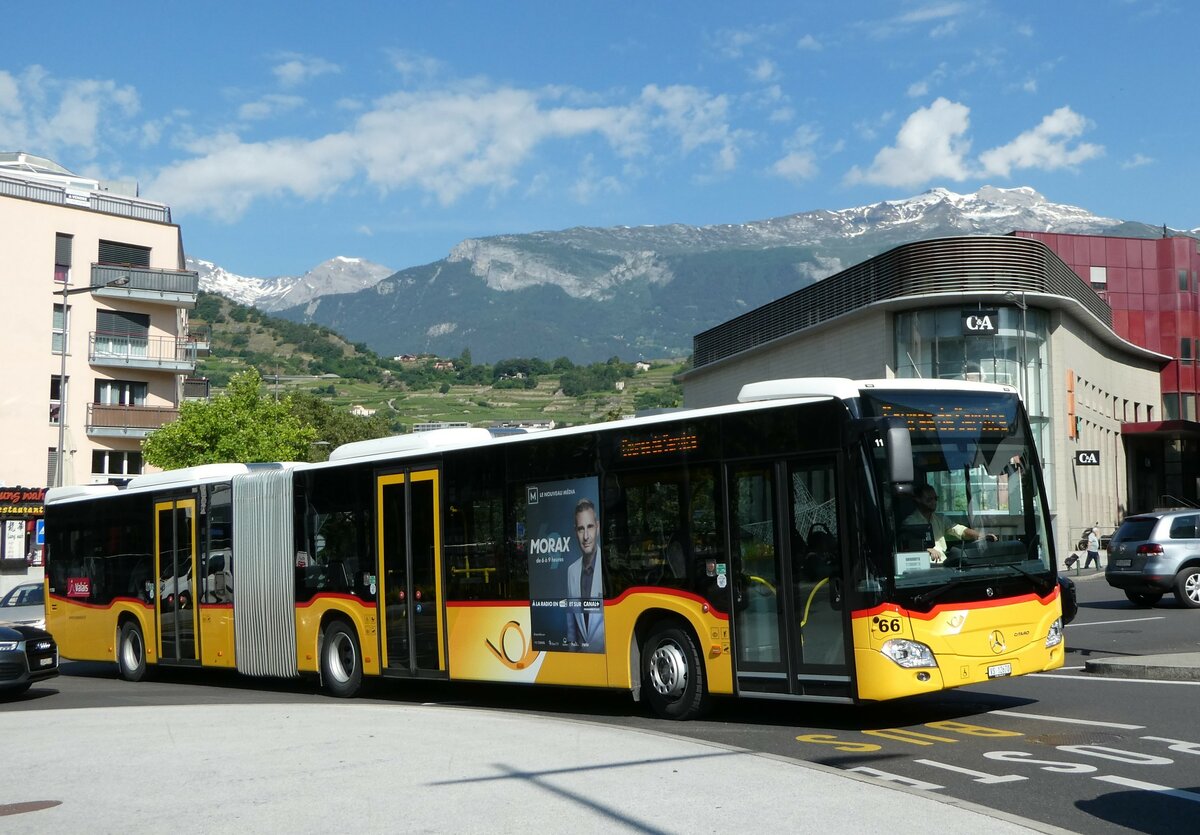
1019, 301
62, 372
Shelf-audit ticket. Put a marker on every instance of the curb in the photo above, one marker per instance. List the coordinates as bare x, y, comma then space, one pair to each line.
1183, 666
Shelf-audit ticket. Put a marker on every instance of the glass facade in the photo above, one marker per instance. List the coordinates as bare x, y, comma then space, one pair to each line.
931, 344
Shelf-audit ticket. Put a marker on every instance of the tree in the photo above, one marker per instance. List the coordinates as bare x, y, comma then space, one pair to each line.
333, 427
243, 425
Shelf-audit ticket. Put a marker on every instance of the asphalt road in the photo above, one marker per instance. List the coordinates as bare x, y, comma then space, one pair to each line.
1068, 749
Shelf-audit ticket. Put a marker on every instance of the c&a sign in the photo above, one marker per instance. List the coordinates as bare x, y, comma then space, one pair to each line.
979, 322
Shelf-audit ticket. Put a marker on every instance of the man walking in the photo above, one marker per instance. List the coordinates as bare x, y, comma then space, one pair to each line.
1093, 548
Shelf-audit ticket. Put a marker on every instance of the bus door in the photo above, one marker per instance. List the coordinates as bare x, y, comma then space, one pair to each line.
789, 624
410, 573
175, 599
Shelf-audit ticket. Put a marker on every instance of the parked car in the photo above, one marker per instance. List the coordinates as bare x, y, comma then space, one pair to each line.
25, 604
1154, 553
27, 654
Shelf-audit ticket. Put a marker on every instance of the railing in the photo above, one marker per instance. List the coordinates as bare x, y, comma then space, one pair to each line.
132, 421
180, 282
195, 388
97, 201
164, 352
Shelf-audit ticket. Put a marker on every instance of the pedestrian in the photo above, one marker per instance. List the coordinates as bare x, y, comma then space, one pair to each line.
1093, 548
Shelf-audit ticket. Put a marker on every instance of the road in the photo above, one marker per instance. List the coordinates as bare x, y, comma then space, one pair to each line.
1068, 749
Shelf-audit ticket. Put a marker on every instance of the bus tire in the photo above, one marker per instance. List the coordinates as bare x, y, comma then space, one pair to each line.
341, 661
673, 673
131, 652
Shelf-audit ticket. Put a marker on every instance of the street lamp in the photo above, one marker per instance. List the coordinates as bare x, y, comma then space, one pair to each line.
1019, 301
62, 373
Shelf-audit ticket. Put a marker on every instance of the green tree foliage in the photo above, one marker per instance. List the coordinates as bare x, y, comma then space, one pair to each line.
333, 427
597, 377
243, 425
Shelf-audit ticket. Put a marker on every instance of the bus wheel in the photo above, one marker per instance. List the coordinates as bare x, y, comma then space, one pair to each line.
131, 652
341, 662
673, 673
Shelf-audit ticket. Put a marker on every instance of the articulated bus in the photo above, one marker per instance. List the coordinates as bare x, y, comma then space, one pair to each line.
771, 548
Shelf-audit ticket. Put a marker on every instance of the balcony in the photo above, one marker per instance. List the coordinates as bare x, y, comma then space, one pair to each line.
176, 288
127, 421
149, 353
201, 339
195, 388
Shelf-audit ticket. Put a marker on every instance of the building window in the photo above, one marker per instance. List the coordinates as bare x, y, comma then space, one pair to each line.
62, 258
1189, 406
120, 393
1170, 406
1183, 279
55, 398
58, 328
52, 466
126, 255
1185, 351
1099, 278
116, 464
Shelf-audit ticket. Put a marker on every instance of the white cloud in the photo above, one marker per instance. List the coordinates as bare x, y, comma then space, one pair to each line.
765, 70
809, 43
918, 89
931, 144
696, 118
269, 105
414, 66
297, 69
50, 115
799, 163
1046, 147
1137, 161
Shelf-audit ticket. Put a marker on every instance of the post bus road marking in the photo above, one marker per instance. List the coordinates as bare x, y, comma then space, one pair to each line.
1093, 723
1180, 745
1148, 787
896, 778
1107, 622
976, 776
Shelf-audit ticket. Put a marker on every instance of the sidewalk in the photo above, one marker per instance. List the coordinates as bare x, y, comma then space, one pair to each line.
397, 768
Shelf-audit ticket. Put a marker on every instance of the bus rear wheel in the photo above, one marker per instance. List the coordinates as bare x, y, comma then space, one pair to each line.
673, 673
131, 652
341, 661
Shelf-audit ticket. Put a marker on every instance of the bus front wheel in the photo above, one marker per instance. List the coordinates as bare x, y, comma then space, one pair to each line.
131, 652
673, 673
341, 661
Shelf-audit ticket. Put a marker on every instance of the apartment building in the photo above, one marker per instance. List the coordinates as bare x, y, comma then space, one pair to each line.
93, 334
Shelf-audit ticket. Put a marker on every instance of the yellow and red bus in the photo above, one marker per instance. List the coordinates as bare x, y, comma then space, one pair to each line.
762, 549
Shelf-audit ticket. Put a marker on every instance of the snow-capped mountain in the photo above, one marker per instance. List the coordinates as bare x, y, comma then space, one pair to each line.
337, 275
644, 291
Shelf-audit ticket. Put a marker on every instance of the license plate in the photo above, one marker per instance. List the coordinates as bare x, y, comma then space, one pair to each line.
46, 662
1123, 563
999, 670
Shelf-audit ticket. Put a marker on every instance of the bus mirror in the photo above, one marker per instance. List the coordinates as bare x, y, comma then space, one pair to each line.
898, 445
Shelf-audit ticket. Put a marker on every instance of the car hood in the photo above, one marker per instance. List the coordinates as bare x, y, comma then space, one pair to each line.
21, 633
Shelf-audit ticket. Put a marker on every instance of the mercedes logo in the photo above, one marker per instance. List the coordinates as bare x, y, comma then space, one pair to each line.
997, 641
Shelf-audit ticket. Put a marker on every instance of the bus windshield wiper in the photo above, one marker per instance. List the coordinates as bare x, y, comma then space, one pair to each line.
936, 592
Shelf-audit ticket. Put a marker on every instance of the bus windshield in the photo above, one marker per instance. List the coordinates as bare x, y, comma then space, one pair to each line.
976, 511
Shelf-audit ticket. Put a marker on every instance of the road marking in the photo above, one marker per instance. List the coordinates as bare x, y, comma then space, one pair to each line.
1112, 678
1116, 725
1106, 622
976, 776
1148, 787
896, 778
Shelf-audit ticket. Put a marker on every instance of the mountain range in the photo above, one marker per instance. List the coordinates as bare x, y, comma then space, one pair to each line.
633, 292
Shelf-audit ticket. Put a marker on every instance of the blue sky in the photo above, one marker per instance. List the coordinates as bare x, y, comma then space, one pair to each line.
283, 134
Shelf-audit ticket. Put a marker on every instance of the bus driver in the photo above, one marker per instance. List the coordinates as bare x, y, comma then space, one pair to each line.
926, 513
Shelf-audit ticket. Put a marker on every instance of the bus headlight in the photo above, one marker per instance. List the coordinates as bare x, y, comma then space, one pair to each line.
1055, 636
908, 653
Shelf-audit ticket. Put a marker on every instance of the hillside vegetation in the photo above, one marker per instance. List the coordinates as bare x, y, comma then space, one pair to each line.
424, 389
